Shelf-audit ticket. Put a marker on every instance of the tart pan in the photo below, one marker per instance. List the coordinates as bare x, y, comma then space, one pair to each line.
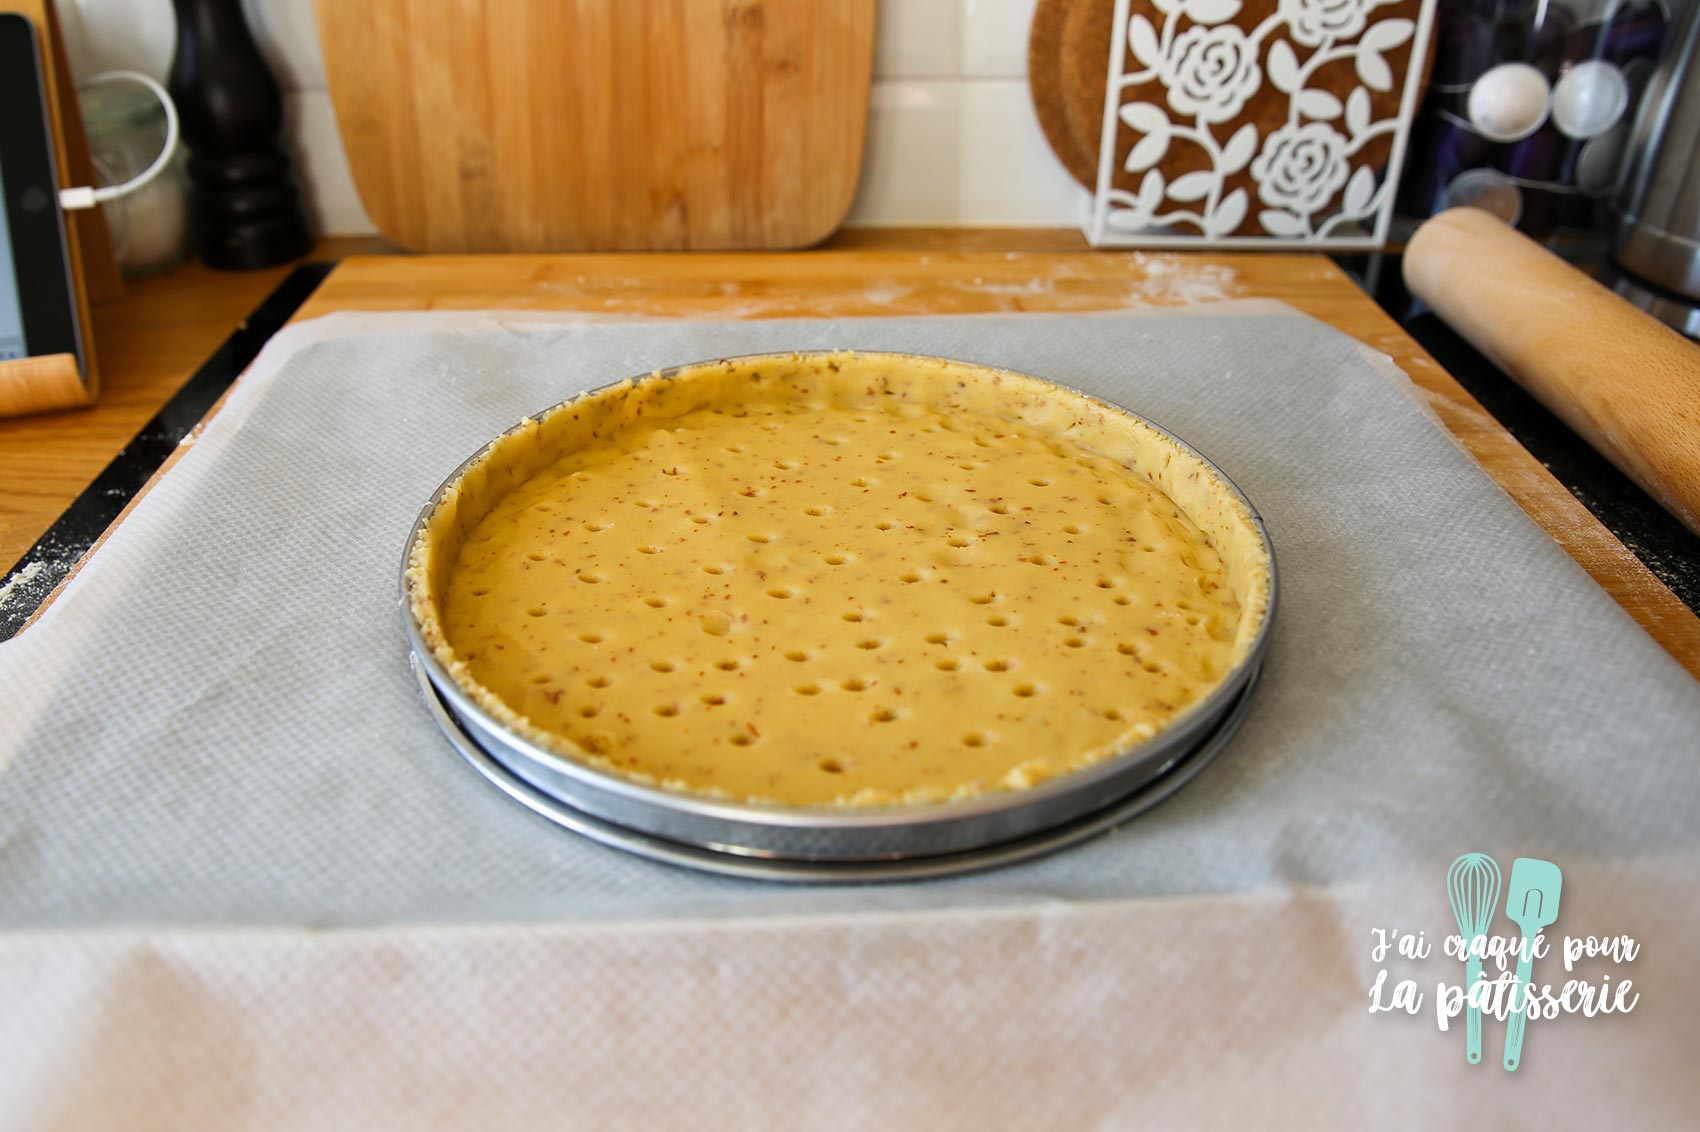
600, 802
728, 860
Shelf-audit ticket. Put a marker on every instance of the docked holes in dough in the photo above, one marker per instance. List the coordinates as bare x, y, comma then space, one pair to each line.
817, 571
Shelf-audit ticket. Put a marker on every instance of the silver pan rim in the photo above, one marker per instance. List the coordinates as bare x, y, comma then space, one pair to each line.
734, 861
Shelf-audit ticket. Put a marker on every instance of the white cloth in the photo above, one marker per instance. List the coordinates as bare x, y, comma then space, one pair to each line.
245, 883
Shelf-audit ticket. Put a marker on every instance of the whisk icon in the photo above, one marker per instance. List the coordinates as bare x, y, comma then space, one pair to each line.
1472, 884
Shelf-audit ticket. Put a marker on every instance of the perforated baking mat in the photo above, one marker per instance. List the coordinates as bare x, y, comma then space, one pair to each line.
216, 722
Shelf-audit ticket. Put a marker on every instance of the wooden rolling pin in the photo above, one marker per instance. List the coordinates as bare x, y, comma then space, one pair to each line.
1628, 384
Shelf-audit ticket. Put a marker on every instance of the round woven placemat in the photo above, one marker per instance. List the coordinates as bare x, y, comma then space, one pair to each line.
1068, 55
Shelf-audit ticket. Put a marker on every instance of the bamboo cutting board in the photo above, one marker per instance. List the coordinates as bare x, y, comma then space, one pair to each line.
601, 125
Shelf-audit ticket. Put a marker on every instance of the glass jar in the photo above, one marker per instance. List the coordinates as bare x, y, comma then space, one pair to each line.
126, 128
1529, 108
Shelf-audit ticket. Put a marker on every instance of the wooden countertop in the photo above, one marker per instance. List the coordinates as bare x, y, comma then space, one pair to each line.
149, 343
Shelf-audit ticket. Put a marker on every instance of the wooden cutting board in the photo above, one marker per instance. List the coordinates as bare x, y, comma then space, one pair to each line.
601, 125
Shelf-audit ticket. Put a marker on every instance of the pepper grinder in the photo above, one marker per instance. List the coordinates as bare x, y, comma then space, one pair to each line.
247, 212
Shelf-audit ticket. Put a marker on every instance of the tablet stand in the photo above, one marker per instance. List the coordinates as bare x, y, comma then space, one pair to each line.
53, 381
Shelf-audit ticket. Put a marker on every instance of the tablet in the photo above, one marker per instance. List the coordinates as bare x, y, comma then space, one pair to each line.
38, 303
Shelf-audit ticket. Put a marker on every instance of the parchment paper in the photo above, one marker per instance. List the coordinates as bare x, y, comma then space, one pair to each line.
234, 849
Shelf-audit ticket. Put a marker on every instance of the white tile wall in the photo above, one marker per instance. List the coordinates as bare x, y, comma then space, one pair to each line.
951, 133
326, 181
135, 35
289, 36
140, 35
918, 39
994, 37
953, 151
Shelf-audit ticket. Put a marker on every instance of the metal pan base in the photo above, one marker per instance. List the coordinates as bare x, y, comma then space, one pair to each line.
730, 860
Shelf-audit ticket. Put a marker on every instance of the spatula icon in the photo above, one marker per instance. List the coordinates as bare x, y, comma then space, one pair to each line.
1531, 902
